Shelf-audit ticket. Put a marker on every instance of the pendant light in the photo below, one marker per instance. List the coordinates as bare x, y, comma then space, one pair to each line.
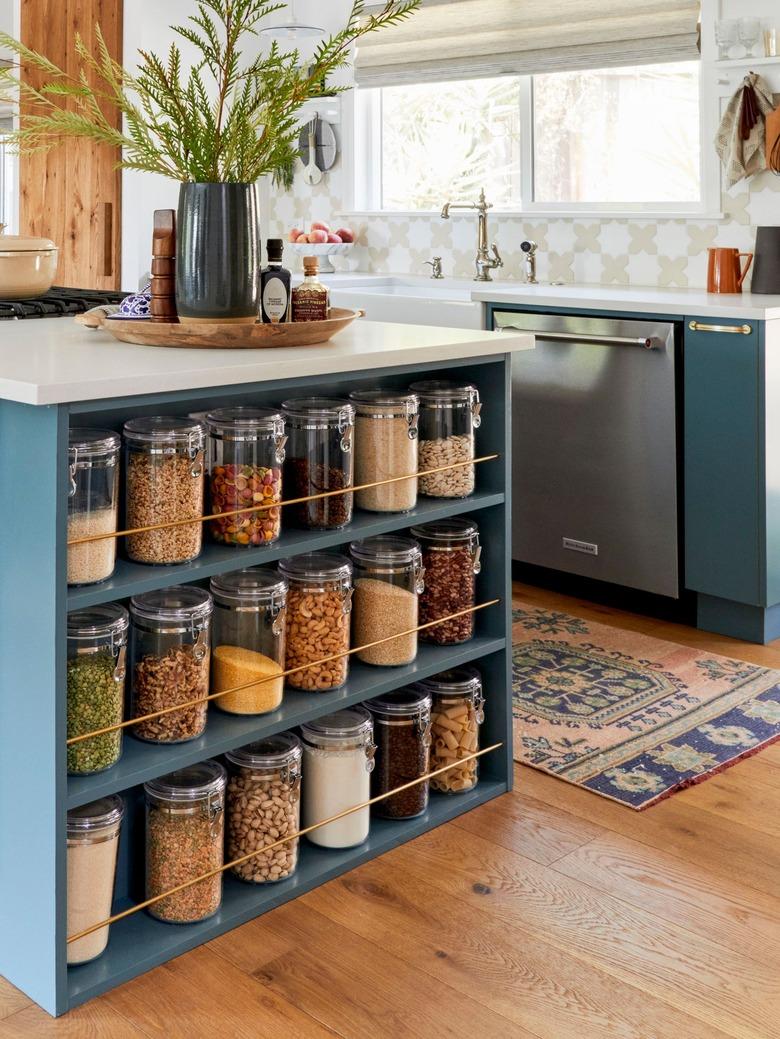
293, 33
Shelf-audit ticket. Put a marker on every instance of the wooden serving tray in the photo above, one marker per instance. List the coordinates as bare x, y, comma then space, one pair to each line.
225, 336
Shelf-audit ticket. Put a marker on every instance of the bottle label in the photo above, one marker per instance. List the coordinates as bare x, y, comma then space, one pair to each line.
275, 300
310, 305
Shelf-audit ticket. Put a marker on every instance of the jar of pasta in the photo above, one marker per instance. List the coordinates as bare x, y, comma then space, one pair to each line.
385, 448
93, 467
402, 733
450, 412
456, 715
319, 459
451, 556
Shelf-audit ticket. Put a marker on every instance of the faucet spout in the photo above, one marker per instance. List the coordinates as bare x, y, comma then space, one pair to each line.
445, 213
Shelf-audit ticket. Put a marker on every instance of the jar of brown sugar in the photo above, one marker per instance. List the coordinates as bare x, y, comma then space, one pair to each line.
451, 557
402, 733
319, 459
388, 579
456, 716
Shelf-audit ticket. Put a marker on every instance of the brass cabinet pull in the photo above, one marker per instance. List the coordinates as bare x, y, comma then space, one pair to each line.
740, 330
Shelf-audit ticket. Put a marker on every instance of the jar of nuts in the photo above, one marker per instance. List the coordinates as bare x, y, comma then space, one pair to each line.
169, 662
388, 581
263, 805
456, 715
386, 447
319, 459
164, 467
402, 732
245, 456
319, 603
449, 414
93, 467
250, 612
451, 557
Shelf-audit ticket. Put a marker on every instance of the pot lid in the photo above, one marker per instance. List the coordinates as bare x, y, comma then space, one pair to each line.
18, 243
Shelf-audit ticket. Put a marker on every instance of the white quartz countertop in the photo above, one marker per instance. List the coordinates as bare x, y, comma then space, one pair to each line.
55, 361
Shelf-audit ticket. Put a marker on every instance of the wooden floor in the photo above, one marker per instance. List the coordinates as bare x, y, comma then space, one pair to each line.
550, 913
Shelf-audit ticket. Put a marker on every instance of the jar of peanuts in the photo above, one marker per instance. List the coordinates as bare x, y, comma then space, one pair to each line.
451, 557
319, 603
250, 610
319, 459
263, 806
164, 467
388, 582
456, 715
449, 414
385, 448
169, 662
245, 456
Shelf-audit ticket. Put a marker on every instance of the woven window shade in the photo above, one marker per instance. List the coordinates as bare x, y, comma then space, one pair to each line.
466, 39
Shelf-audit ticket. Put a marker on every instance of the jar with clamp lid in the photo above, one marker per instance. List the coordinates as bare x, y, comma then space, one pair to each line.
456, 716
385, 448
169, 662
93, 464
449, 414
452, 559
164, 479
97, 647
402, 733
250, 612
185, 828
93, 843
319, 459
388, 580
263, 806
245, 456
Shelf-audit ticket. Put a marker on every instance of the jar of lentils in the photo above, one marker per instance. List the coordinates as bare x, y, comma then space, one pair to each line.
319, 459
185, 828
169, 662
388, 579
449, 414
385, 448
319, 603
402, 733
456, 716
245, 456
263, 805
451, 558
93, 463
250, 613
164, 467
97, 647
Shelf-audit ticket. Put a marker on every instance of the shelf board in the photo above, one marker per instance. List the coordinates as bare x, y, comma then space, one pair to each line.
135, 578
142, 761
140, 942
741, 63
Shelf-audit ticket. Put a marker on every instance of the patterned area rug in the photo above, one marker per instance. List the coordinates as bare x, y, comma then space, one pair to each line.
632, 717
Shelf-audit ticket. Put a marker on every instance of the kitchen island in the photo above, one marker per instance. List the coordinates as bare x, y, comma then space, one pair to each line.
55, 375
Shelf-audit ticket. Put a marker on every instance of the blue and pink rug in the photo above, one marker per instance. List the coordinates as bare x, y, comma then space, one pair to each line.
629, 716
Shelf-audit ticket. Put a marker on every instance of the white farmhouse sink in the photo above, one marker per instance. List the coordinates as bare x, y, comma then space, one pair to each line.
412, 301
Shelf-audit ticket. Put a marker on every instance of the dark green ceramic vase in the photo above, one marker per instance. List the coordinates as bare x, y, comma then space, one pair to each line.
217, 253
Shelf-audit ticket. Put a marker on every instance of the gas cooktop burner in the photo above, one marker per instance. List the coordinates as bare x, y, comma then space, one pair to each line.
57, 302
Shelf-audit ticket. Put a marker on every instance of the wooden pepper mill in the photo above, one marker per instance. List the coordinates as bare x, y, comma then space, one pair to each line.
163, 303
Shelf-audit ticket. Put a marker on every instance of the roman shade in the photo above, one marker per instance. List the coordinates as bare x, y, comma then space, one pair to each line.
466, 39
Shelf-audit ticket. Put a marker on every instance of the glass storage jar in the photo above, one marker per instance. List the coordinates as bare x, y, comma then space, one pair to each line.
164, 484
451, 557
97, 648
319, 601
385, 447
245, 455
93, 461
388, 579
319, 459
338, 758
185, 830
402, 733
93, 843
263, 805
250, 611
456, 715
169, 658
449, 414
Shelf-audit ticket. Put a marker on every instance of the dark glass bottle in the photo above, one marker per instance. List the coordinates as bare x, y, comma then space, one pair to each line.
275, 285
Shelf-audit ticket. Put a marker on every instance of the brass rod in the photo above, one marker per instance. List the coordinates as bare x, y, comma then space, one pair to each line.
168, 524
282, 840
272, 678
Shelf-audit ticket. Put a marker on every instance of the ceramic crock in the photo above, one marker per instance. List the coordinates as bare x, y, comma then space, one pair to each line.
27, 266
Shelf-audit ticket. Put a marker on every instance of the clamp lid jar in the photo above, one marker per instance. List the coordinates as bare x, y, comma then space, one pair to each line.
319, 460
452, 560
449, 414
245, 423
93, 468
351, 727
386, 428
456, 716
97, 821
402, 730
388, 581
165, 433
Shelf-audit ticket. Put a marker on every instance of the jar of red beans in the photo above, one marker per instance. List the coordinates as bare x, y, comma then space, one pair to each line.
451, 558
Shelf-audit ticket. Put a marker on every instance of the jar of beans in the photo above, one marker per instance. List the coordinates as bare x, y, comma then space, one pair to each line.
385, 447
338, 758
449, 414
245, 456
250, 611
388, 579
319, 459
93, 843
451, 557
319, 602
402, 733
185, 828
263, 804
97, 646
93, 465
169, 662
456, 715
164, 467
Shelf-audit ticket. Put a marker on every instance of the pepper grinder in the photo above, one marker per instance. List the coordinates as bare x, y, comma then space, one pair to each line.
163, 302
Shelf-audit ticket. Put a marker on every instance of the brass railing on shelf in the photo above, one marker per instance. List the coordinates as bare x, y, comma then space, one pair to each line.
278, 843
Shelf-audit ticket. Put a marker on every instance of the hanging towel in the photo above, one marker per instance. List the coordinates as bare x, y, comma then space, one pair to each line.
740, 141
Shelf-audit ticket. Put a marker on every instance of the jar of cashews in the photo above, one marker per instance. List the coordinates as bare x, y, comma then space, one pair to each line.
456, 716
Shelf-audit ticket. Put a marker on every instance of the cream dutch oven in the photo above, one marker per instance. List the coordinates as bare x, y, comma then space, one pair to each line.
27, 266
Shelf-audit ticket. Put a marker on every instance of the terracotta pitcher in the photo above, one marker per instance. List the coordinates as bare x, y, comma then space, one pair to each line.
724, 270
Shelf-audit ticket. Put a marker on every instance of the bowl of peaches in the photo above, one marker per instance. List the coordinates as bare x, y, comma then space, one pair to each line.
323, 243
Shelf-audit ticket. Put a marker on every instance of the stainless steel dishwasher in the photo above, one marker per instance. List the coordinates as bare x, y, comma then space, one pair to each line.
594, 445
